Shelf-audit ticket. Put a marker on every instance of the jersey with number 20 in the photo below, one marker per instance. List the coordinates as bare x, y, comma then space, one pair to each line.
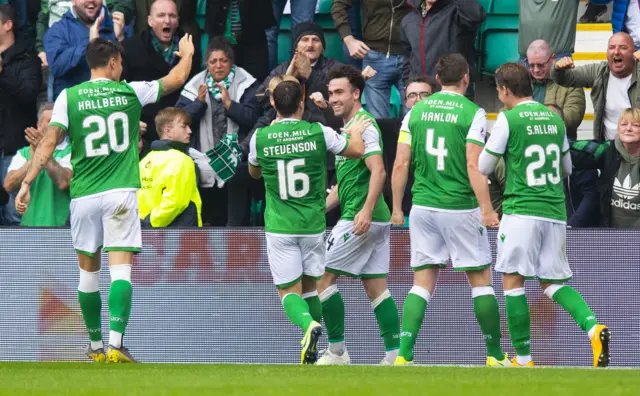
102, 119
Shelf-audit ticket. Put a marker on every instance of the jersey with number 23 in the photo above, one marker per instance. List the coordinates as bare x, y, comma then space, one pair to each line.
533, 141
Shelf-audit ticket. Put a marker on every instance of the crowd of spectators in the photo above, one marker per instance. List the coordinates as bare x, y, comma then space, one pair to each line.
202, 132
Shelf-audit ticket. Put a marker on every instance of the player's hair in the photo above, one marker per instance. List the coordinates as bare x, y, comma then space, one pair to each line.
168, 116
101, 51
557, 109
424, 80
630, 114
516, 77
451, 69
220, 43
353, 75
45, 107
273, 83
8, 13
287, 97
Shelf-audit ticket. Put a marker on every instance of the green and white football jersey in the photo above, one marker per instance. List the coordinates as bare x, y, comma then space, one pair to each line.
292, 155
102, 119
353, 176
438, 129
533, 141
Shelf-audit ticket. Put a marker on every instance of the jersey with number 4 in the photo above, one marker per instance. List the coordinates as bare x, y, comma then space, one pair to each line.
292, 156
438, 130
533, 141
102, 119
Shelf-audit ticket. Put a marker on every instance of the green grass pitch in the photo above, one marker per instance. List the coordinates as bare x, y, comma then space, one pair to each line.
220, 379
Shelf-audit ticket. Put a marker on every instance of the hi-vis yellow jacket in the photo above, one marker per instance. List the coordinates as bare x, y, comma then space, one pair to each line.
169, 195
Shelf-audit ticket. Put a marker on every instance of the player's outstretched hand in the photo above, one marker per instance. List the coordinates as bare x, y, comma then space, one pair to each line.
185, 47
23, 198
319, 101
361, 222
490, 219
397, 218
565, 63
359, 124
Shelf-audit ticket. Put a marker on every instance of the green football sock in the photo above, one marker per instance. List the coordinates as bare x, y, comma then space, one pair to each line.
571, 301
388, 322
485, 307
413, 312
315, 306
120, 296
91, 307
333, 313
297, 310
519, 323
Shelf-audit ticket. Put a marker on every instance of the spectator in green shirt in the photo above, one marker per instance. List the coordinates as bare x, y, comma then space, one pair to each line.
50, 202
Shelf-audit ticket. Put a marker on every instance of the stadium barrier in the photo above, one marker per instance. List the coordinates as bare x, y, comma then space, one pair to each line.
206, 296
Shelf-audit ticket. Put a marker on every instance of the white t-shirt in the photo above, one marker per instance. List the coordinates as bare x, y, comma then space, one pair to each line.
617, 101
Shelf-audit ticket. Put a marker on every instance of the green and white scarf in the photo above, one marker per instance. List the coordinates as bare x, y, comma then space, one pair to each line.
214, 90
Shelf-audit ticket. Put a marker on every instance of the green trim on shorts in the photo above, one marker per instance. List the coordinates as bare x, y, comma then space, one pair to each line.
122, 249
289, 284
517, 273
374, 276
468, 269
89, 254
555, 281
425, 266
340, 272
312, 277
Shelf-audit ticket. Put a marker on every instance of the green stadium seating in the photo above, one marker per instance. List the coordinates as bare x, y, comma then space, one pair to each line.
505, 7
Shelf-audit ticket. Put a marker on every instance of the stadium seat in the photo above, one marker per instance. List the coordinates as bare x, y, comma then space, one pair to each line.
499, 47
505, 7
493, 50
324, 7
486, 4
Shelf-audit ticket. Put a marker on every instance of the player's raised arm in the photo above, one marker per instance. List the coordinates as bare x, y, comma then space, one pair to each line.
178, 76
495, 147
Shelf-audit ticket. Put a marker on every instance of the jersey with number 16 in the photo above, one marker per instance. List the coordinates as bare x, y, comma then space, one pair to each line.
102, 119
292, 156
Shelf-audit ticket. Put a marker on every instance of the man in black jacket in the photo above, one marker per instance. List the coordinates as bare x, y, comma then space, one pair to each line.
149, 56
438, 27
20, 81
244, 23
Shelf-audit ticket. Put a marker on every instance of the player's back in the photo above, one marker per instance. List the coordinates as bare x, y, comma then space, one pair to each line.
103, 126
292, 156
440, 128
533, 159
